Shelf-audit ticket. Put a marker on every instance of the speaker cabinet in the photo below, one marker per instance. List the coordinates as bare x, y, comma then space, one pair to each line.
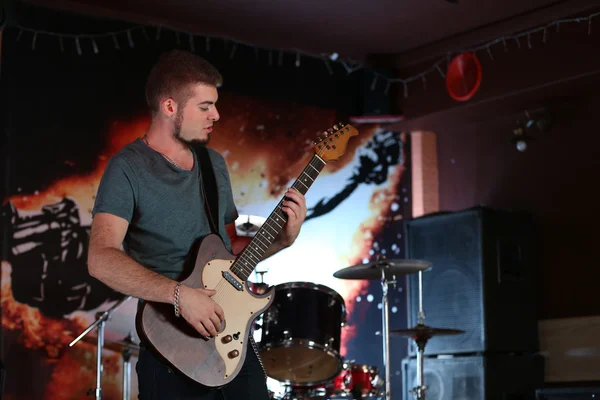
481, 280
498, 377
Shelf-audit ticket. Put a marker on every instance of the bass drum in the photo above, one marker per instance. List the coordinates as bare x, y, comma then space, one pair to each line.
300, 342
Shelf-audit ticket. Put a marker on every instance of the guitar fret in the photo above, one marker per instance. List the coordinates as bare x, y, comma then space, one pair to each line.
309, 177
268, 237
257, 238
246, 263
252, 255
278, 225
280, 213
249, 261
267, 225
317, 158
300, 182
241, 271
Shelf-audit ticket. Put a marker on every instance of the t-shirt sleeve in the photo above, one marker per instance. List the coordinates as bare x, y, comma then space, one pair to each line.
117, 190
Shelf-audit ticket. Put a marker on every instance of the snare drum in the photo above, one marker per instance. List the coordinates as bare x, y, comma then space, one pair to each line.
301, 331
357, 380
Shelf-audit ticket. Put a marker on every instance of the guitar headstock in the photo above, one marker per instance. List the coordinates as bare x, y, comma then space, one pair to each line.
333, 142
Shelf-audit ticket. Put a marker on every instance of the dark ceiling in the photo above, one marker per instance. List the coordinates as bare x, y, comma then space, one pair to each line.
352, 28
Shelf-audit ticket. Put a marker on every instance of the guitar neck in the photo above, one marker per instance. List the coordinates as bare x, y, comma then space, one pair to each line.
270, 229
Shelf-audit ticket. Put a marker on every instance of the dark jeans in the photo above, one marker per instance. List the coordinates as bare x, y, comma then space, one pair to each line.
157, 381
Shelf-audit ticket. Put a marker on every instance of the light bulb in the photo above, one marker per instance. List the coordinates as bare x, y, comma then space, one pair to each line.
521, 145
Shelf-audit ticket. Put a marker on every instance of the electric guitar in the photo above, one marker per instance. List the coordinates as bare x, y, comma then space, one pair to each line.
216, 361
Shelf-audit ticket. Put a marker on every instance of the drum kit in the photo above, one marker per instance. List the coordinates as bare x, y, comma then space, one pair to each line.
301, 332
300, 338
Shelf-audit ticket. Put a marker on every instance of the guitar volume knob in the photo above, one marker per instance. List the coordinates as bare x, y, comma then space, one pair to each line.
226, 339
233, 354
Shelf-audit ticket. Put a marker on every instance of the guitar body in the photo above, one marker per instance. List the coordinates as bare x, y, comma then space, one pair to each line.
214, 361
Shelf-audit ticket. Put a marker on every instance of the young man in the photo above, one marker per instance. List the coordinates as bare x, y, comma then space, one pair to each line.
149, 213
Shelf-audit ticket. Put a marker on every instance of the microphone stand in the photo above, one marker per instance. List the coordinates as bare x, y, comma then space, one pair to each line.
101, 318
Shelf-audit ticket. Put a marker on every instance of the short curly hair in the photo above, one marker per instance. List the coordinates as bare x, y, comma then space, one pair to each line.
173, 75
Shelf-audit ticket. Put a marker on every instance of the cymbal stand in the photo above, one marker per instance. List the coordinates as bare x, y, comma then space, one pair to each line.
419, 391
127, 368
101, 318
386, 332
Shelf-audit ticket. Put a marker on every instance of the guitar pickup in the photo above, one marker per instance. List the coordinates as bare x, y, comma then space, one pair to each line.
234, 282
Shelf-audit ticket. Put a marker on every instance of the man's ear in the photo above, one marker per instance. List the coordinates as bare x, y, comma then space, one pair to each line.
168, 107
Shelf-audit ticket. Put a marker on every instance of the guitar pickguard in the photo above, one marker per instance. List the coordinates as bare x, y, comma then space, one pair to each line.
239, 307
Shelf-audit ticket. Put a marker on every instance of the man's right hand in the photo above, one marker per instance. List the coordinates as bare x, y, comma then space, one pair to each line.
200, 311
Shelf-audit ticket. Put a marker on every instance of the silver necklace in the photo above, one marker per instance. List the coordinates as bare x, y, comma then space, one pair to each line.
145, 139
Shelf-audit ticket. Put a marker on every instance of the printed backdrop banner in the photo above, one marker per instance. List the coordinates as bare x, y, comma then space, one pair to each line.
66, 114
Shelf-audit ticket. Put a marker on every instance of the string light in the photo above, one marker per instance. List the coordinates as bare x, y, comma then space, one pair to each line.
192, 44
78, 46
130, 39
374, 83
327, 65
349, 66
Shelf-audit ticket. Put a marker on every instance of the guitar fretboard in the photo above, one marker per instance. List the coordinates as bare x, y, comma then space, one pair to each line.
254, 252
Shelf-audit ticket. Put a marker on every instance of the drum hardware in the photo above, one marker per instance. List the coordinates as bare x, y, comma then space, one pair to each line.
421, 333
127, 352
127, 348
386, 272
101, 318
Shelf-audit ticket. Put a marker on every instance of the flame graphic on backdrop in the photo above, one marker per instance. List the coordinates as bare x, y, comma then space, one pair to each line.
38, 331
260, 163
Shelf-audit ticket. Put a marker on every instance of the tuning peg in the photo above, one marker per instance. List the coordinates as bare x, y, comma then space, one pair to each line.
337, 128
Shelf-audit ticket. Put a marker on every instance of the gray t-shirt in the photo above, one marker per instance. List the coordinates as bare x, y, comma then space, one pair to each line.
163, 205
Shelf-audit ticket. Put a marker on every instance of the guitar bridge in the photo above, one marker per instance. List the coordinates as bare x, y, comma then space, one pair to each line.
234, 282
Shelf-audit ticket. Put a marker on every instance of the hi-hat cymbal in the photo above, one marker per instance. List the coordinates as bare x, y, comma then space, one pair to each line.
372, 270
248, 225
118, 346
424, 332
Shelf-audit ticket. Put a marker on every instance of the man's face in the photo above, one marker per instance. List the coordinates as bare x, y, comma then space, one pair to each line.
193, 122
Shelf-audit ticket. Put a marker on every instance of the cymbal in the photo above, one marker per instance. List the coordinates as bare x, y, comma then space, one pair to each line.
117, 346
372, 270
424, 332
248, 225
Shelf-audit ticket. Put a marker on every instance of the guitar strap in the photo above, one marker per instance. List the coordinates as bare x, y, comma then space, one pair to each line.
208, 188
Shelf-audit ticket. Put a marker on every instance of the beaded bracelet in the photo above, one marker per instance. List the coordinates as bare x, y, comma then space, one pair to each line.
176, 301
